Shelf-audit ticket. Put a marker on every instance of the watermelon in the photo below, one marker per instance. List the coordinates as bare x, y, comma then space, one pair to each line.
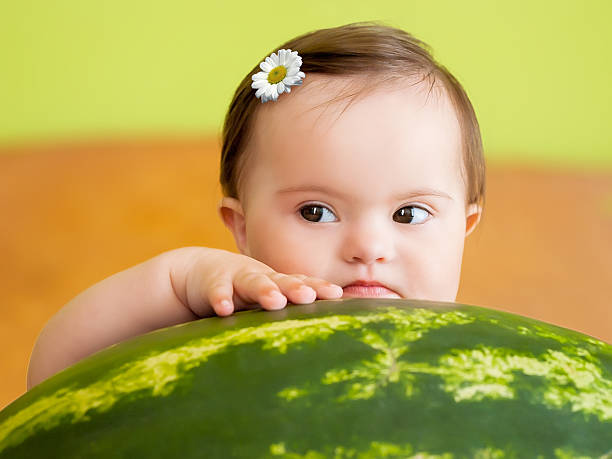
353, 378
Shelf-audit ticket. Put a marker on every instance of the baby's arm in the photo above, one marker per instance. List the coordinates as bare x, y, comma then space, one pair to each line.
174, 287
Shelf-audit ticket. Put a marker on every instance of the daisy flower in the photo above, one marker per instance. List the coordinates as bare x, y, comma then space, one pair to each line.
280, 72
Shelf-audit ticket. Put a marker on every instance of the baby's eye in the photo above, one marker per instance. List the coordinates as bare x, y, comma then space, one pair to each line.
313, 213
411, 214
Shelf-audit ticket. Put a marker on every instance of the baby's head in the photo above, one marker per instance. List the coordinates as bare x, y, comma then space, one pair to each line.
383, 188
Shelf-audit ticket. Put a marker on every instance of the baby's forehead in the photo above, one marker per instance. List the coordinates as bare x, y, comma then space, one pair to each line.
306, 135
322, 100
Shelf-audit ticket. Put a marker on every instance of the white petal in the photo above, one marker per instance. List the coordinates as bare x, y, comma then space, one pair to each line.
261, 91
259, 84
289, 60
281, 87
271, 61
294, 69
260, 76
265, 66
268, 92
287, 89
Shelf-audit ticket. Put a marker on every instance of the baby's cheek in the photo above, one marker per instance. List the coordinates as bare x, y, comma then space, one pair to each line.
300, 260
283, 253
448, 273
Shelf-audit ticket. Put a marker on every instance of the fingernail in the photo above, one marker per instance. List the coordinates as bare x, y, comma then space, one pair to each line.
275, 295
225, 307
329, 284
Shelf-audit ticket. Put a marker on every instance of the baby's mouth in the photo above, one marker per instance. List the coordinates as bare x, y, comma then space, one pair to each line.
368, 289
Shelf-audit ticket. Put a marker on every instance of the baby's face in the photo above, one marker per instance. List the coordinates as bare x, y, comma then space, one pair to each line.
374, 195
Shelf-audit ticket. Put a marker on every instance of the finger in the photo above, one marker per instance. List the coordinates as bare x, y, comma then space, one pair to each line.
259, 288
325, 290
220, 295
294, 288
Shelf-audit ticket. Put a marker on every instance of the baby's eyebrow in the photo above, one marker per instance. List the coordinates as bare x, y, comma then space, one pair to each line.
410, 194
424, 192
301, 188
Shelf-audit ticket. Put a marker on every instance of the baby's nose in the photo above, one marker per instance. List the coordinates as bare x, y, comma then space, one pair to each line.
368, 244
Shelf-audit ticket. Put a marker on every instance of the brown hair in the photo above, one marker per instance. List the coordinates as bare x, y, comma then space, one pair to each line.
346, 51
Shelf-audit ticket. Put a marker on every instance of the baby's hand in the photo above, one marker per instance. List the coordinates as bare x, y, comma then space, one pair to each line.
221, 282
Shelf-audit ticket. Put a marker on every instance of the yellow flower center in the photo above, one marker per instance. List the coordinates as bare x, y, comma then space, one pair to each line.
277, 74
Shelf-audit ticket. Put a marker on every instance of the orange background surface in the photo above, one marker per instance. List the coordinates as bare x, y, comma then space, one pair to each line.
72, 215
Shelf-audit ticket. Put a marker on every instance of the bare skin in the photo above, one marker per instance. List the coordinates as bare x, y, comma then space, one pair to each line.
376, 195
175, 287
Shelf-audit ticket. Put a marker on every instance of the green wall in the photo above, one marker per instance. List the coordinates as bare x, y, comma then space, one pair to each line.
538, 72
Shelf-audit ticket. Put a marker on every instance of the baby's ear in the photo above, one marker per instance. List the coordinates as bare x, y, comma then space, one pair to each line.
472, 218
232, 215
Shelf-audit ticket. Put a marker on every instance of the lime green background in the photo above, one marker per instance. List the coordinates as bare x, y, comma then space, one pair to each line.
538, 72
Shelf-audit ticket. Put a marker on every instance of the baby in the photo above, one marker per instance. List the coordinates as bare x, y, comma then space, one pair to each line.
373, 198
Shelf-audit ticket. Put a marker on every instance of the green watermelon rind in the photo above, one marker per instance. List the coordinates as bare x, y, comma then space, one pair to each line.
572, 373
